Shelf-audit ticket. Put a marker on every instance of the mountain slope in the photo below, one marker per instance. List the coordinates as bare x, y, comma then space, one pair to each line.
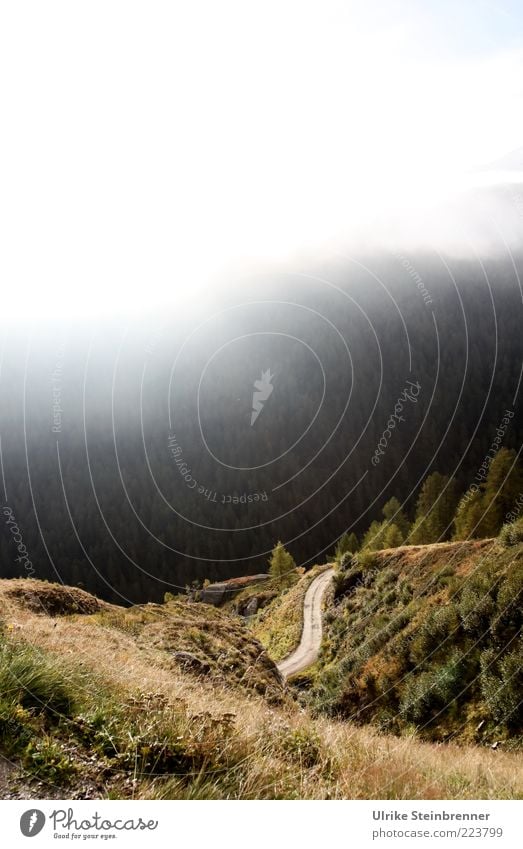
428, 638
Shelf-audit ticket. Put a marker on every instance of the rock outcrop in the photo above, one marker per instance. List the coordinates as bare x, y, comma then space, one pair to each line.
223, 591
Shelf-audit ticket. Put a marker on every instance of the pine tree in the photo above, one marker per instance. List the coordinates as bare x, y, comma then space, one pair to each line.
393, 537
469, 520
374, 538
394, 514
503, 486
281, 565
347, 544
435, 510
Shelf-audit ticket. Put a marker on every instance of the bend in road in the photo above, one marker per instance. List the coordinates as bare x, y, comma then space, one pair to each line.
307, 651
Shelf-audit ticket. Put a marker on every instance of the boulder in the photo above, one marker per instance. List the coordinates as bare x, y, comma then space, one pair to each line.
252, 607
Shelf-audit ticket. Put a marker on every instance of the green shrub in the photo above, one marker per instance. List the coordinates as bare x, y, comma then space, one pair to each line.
417, 698
46, 760
347, 544
347, 581
476, 604
14, 730
509, 604
502, 686
445, 575
449, 679
304, 745
433, 633
385, 577
405, 592
346, 561
366, 560
432, 691
511, 533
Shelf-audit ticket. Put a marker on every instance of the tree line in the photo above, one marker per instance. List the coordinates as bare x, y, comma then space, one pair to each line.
442, 515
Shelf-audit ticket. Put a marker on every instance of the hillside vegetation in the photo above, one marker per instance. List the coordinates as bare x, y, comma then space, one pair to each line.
427, 639
180, 701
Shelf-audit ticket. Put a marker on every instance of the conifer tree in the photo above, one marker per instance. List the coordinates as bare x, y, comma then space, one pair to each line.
281, 565
347, 544
435, 510
374, 538
394, 514
393, 537
503, 486
469, 519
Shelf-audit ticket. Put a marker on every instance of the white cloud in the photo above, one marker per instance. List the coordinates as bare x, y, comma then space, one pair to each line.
150, 145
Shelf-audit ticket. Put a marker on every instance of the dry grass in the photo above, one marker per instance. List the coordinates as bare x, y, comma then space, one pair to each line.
48, 599
428, 558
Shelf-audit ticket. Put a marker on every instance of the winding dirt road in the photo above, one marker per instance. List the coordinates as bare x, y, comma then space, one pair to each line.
307, 651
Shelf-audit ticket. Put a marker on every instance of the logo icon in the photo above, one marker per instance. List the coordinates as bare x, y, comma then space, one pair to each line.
32, 822
262, 392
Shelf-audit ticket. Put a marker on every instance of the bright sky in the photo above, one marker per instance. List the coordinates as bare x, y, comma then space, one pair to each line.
150, 145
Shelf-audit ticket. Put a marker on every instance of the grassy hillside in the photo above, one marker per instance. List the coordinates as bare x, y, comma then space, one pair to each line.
99, 704
428, 639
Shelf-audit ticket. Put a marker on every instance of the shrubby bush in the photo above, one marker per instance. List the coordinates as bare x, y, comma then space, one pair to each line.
366, 560
434, 631
511, 533
508, 619
477, 602
304, 745
432, 691
502, 685
346, 581
346, 561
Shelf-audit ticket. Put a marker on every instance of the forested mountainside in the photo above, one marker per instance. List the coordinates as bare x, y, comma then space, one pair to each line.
129, 460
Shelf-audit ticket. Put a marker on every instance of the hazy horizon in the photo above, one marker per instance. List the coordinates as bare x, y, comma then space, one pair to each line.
246, 137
